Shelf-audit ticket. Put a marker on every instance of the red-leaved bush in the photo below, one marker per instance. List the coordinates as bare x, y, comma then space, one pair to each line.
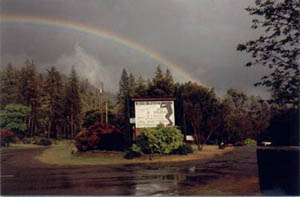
239, 143
7, 136
100, 136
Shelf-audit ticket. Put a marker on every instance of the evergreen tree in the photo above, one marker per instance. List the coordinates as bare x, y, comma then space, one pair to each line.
179, 112
132, 85
9, 86
141, 89
53, 100
73, 103
169, 83
30, 90
124, 103
161, 85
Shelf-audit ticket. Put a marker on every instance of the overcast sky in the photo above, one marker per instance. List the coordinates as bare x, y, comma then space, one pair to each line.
198, 35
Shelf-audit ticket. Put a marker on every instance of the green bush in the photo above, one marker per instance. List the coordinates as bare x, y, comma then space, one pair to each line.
162, 140
13, 118
134, 151
183, 150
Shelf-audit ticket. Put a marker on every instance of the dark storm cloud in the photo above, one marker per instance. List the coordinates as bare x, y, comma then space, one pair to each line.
199, 35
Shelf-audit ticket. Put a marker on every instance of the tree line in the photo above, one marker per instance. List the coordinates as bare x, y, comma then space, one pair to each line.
50, 104
56, 106
199, 111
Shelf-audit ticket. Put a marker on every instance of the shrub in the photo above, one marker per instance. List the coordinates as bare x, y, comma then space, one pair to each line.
86, 140
41, 141
134, 151
100, 136
7, 137
183, 150
162, 140
250, 142
44, 142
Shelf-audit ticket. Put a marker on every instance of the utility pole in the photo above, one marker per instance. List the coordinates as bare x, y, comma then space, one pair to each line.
106, 112
102, 101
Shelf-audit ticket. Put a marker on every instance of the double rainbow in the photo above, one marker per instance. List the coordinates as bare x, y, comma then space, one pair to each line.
10, 18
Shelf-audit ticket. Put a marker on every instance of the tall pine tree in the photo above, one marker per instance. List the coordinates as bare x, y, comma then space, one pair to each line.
132, 85
73, 102
124, 103
30, 90
53, 100
161, 85
141, 88
9, 93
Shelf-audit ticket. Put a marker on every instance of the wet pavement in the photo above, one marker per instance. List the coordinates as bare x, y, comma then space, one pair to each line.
22, 174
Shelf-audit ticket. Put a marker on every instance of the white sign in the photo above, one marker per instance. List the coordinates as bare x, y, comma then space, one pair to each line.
152, 113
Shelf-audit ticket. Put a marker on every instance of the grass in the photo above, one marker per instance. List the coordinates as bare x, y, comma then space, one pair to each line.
61, 154
21, 146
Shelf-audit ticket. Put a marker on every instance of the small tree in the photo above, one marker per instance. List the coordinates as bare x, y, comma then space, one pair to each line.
14, 118
201, 107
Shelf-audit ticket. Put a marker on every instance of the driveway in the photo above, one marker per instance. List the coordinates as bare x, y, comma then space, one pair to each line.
21, 173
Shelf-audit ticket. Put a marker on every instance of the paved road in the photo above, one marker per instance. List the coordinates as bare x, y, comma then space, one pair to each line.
22, 174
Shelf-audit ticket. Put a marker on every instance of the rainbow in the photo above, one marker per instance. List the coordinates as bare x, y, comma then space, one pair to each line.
98, 33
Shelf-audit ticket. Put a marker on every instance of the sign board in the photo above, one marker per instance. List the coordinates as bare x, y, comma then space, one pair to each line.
152, 113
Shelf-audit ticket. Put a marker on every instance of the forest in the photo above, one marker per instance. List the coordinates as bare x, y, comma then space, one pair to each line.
52, 105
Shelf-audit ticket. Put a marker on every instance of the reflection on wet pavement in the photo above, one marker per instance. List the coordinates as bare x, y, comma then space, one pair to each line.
142, 179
